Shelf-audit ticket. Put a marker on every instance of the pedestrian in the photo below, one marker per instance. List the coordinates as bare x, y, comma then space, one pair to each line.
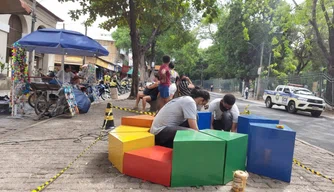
67, 74
246, 92
174, 75
106, 78
164, 76
150, 93
178, 114
225, 113
211, 87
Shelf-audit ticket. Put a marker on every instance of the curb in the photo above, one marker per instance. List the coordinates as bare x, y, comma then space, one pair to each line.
309, 144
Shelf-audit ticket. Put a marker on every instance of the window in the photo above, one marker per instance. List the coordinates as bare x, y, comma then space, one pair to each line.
279, 88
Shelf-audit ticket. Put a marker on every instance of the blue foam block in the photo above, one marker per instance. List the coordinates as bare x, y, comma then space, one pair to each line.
244, 127
204, 120
244, 120
271, 151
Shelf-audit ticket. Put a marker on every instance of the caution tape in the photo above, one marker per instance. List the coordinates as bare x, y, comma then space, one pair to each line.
295, 161
47, 183
134, 111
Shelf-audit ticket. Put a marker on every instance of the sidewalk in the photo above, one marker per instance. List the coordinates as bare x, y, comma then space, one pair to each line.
35, 154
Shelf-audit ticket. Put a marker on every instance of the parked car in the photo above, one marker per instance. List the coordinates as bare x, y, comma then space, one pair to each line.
294, 99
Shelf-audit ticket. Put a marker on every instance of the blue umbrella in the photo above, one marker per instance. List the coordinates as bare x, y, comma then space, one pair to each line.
62, 42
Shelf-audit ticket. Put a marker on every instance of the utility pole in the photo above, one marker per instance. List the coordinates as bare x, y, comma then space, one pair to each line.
259, 73
269, 64
84, 58
33, 21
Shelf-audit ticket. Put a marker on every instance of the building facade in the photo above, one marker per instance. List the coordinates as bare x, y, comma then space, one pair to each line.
103, 63
15, 26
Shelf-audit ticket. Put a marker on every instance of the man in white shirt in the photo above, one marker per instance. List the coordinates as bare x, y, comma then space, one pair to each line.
225, 113
178, 114
68, 75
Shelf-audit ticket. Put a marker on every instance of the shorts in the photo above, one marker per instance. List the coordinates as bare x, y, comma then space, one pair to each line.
172, 89
164, 91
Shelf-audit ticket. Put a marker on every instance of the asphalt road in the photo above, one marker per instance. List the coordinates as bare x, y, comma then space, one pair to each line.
316, 131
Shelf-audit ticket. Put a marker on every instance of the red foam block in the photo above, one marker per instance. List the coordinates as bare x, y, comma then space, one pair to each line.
152, 164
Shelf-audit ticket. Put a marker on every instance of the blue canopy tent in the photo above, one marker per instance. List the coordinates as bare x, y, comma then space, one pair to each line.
62, 42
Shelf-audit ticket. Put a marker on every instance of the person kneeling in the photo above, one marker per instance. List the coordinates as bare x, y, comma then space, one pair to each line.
178, 114
150, 93
225, 113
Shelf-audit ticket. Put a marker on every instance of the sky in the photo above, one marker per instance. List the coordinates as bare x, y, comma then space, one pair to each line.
62, 9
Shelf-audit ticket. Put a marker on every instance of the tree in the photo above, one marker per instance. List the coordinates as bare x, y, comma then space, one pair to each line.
158, 15
122, 41
320, 14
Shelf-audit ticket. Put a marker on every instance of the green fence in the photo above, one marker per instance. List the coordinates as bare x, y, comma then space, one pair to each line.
319, 83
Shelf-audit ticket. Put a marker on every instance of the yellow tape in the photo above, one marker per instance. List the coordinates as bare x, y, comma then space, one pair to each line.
108, 110
134, 111
295, 161
47, 183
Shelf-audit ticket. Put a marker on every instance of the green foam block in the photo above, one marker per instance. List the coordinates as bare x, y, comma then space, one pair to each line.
198, 159
236, 151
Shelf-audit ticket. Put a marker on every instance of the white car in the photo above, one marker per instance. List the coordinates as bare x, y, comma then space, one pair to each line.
294, 99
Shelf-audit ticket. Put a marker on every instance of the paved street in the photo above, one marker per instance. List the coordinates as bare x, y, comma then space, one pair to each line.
33, 153
317, 131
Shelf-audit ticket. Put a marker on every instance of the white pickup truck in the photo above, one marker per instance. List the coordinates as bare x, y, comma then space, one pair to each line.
294, 99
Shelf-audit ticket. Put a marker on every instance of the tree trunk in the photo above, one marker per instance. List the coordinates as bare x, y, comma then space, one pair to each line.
142, 67
330, 68
135, 49
152, 60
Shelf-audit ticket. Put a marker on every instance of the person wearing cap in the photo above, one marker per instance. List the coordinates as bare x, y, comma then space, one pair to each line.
225, 113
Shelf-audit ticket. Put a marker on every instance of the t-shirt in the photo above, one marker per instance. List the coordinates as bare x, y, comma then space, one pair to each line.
173, 75
164, 67
67, 76
107, 79
174, 113
184, 89
214, 107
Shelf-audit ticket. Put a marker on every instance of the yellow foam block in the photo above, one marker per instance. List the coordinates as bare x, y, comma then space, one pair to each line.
119, 143
126, 129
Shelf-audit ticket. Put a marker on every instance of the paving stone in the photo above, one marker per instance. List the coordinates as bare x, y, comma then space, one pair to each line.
27, 165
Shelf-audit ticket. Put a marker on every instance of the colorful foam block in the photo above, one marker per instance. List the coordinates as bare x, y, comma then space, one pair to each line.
244, 120
127, 129
124, 142
137, 120
204, 120
244, 127
235, 151
198, 159
152, 164
271, 152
